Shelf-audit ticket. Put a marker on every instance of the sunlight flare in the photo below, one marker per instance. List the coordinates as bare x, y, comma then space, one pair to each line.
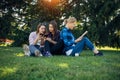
63, 65
6, 71
19, 54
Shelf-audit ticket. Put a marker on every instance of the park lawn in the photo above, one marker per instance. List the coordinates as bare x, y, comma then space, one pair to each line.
15, 66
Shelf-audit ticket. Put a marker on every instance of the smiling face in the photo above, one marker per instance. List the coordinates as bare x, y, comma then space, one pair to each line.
42, 29
51, 28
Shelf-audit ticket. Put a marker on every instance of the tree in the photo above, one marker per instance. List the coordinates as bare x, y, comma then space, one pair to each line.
12, 18
100, 17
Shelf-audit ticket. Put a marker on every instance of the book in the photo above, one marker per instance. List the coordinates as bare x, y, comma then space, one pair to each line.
83, 34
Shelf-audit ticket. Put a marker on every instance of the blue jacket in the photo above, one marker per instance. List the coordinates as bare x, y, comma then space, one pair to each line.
68, 38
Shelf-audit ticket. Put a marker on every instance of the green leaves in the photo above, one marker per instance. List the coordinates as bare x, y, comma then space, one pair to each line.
100, 17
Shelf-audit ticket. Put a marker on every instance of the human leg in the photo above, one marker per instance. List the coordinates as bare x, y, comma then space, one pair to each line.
80, 45
35, 50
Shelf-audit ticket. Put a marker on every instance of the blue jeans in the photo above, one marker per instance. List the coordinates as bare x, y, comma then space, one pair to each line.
33, 48
80, 45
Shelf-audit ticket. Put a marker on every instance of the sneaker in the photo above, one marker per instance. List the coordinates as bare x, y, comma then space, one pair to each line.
99, 54
26, 50
76, 54
48, 54
37, 53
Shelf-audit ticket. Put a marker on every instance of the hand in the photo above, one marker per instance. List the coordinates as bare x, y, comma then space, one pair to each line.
49, 39
78, 39
38, 37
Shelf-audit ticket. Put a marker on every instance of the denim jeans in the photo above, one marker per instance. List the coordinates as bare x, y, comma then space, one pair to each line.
33, 48
80, 45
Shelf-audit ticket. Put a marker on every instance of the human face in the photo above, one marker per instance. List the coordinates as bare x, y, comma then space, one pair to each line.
42, 29
51, 28
72, 25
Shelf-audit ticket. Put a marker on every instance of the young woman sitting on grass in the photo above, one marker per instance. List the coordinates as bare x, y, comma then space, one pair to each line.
72, 46
36, 42
53, 44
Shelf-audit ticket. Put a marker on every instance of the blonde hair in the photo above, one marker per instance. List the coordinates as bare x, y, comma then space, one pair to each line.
70, 20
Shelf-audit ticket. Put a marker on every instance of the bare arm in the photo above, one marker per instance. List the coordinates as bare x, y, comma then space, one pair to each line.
36, 40
80, 38
50, 40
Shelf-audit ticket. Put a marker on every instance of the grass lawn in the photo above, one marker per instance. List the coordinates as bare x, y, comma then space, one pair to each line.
15, 66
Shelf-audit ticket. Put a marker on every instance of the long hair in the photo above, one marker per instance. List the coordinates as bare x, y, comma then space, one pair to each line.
54, 24
56, 34
38, 26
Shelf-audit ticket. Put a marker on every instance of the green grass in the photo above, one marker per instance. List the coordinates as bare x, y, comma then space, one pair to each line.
15, 66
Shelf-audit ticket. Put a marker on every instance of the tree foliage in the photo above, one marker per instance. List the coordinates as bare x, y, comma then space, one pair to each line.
100, 17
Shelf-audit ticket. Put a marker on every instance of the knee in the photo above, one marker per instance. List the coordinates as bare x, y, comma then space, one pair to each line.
84, 38
30, 46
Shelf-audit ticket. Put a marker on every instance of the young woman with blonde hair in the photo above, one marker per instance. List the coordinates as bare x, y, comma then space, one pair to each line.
72, 46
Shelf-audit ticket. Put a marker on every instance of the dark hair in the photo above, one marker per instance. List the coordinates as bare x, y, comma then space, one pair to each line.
38, 26
54, 24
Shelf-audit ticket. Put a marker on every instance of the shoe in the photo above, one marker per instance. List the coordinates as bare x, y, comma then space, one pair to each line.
37, 53
99, 54
76, 54
48, 54
26, 50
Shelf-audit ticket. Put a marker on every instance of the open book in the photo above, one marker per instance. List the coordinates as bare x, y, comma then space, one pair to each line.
83, 34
